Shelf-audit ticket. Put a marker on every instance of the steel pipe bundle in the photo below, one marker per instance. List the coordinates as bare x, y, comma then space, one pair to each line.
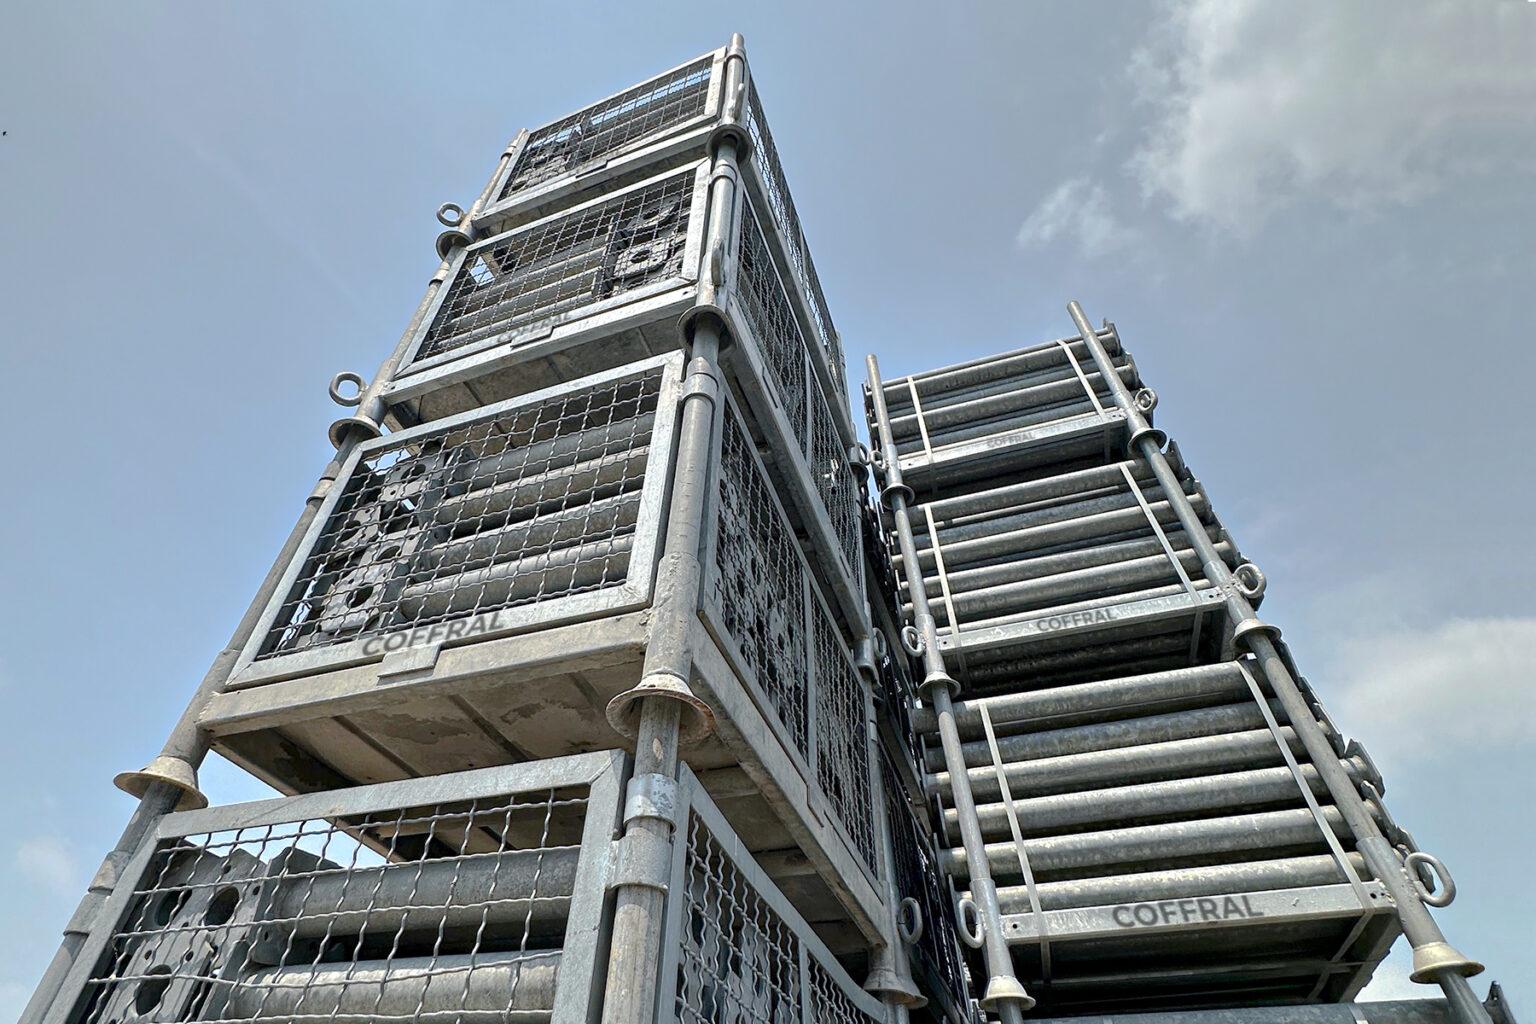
1123, 766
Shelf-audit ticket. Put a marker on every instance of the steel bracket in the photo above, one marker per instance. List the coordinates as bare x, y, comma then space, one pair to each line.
651, 796
642, 859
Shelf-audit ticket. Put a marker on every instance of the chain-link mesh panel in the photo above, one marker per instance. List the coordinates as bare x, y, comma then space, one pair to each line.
773, 322
551, 268
842, 735
830, 1004
599, 130
758, 584
766, 157
935, 957
740, 961
538, 502
454, 912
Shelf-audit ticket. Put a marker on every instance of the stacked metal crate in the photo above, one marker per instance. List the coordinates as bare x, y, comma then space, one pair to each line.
606, 481
1143, 805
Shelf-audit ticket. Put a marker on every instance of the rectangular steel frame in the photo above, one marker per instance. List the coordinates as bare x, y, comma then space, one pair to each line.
578, 991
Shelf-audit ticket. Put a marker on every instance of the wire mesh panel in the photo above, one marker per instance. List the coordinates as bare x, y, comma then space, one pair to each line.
468, 898
592, 134
842, 734
571, 265
531, 510
935, 957
757, 584
763, 304
765, 157
765, 611
737, 953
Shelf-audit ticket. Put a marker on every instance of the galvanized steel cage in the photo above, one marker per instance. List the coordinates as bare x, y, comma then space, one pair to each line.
475, 897
1082, 567
1027, 411
617, 260
735, 951
543, 509
764, 609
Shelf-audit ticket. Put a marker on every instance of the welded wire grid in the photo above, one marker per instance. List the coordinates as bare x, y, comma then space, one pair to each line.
758, 585
740, 961
603, 128
842, 735
772, 321
830, 1004
559, 265
835, 483
766, 157
531, 504
918, 877
766, 306
453, 912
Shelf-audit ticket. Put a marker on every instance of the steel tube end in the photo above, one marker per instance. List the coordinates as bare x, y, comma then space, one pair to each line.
173, 771
696, 722
1004, 989
1433, 959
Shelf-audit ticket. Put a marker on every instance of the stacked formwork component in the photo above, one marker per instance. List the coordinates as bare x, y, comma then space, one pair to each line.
605, 488
1146, 808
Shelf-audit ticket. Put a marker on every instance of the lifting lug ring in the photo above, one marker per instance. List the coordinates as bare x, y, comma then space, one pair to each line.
966, 911
912, 641
450, 215
1426, 894
909, 920
1251, 581
347, 377
1146, 400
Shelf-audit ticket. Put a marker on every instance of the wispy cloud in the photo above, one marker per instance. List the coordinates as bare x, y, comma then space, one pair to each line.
1077, 211
1258, 105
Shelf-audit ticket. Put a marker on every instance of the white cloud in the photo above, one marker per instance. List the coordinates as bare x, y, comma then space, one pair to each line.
48, 861
1078, 211
1391, 981
1424, 691
1259, 104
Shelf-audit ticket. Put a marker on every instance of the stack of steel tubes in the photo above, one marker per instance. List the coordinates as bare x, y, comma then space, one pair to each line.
1138, 793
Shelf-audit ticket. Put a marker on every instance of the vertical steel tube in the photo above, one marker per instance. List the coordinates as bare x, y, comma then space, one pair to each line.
663, 696
1434, 958
1004, 994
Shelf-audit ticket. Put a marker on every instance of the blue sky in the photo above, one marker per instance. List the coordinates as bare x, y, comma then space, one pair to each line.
1312, 223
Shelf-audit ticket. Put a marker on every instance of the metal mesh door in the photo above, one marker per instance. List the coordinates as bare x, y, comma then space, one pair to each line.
448, 899
532, 510
594, 133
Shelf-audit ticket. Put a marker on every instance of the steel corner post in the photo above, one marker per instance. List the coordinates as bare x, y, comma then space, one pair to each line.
1003, 995
1435, 960
661, 711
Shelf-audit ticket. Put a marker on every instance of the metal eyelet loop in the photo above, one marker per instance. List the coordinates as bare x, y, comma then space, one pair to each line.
450, 215
968, 922
1250, 580
1447, 894
909, 921
1146, 400
347, 377
912, 641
